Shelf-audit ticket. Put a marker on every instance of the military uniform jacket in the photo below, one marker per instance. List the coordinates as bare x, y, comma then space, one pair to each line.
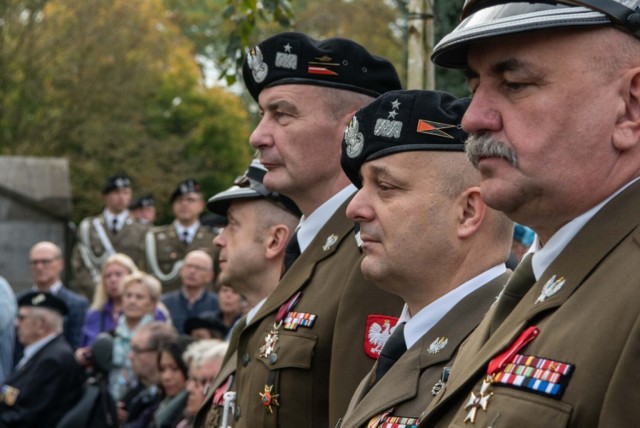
404, 391
89, 252
314, 368
164, 252
39, 393
589, 337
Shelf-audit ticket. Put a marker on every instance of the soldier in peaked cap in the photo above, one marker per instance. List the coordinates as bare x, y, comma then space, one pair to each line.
305, 350
47, 381
405, 153
561, 347
112, 231
166, 246
252, 250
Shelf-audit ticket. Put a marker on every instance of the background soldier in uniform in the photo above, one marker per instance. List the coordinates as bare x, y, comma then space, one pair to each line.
166, 246
252, 250
304, 352
445, 257
554, 128
113, 231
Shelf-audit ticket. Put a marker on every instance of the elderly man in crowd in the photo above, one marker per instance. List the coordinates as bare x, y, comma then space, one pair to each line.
47, 381
193, 298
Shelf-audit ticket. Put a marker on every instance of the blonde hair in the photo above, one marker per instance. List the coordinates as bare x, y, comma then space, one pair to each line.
100, 297
153, 285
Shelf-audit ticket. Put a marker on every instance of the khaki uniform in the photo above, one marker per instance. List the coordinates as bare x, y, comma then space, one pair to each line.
589, 328
89, 253
407, 387
313, 369
164, 252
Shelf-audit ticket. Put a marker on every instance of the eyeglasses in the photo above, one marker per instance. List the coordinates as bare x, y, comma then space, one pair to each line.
44, 262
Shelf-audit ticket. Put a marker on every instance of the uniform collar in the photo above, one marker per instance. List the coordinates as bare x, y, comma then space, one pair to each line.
311, 225
418, 325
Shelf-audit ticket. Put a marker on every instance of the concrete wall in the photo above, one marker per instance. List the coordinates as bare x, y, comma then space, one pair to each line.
35, 205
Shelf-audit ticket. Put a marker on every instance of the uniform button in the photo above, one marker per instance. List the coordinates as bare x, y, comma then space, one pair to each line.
273, 357
245, 359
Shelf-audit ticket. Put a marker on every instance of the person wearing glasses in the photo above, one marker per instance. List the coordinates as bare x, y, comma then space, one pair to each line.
46, 262
193, 298
252, 251
137, 407
47, 381
166, 246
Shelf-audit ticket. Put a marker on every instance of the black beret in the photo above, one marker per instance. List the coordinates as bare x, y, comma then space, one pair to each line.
295, 58
187, 186
38, 299
142, 201
249, 186
206, 320
403, 121
118, 181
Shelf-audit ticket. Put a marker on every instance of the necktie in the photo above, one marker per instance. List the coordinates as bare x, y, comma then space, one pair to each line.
235, 338
391, 351
517, 286
185, 237
292, 251
114, 226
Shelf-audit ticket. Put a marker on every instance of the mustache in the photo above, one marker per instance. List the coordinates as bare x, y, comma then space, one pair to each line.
484, 145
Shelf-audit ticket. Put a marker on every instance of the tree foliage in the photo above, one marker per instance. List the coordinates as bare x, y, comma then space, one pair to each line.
114, 86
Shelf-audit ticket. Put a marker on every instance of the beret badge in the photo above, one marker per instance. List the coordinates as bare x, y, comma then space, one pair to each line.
353, 138
256, 64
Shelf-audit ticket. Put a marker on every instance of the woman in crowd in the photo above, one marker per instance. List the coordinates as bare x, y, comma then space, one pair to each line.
173, 380
140, 296
107, 302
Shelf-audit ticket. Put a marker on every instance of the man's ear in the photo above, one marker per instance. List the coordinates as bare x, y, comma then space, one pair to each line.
626, 134
276, 240
470, 212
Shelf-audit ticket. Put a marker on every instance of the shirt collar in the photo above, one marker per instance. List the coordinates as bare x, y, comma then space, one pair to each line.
109, 217
311, 225
419, 324
30, 350
252, 313
54, 289
543, 257
191, 230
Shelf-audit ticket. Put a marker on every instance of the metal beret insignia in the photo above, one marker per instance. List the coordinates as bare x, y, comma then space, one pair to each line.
354, 138
256, 64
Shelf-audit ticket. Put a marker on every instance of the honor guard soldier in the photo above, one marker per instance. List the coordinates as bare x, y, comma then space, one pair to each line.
166, 246
306, 349
47, 381
252, 250
554, 128
445, 259
143, 209
113, 231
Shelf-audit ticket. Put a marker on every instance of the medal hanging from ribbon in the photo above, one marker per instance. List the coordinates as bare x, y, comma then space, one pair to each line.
481, 401
271, 339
